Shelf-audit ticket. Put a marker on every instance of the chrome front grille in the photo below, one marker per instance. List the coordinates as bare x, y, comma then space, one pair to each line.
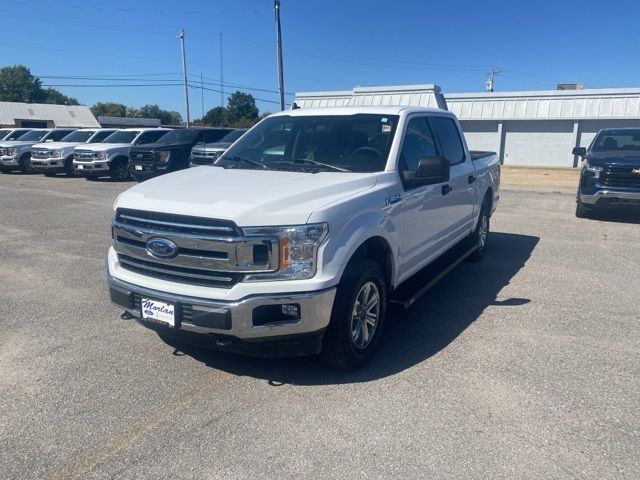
204, 158
84, 156
142, 156
208, 252
39, 153
620, 177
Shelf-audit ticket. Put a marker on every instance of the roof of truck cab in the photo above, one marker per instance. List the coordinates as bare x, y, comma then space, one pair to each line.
381, 110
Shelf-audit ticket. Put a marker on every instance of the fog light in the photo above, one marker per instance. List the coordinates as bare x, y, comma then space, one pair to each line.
275, 314
291, 310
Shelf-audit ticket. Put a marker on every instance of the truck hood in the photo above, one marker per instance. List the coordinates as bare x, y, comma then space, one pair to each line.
56, 145
162, 146
212, 147
624, 159
102, 147
17, 143
247, 197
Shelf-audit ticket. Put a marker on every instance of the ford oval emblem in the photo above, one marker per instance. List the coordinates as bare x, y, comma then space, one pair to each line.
161, 248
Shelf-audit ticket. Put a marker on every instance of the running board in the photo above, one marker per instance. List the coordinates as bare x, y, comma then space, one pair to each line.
415, 287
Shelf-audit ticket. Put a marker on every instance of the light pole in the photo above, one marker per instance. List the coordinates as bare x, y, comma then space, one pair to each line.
276, 7
184, 74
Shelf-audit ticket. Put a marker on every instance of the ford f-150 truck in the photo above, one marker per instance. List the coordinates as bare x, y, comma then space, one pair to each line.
16, 155
111, 156
208, 153
301, 233
171, 152
610, 176
57, 157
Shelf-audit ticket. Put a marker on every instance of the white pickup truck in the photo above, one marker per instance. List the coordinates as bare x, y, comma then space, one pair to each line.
16, 154
57, 157
111, 156
297, 239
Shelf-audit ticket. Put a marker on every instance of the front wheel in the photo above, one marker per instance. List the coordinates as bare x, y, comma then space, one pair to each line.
68, 167
25, 164
583, 211
119, 170
357, 318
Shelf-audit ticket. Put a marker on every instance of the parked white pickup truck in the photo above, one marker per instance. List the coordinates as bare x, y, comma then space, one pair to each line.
111, 156
16, 155
57, 157
310, 223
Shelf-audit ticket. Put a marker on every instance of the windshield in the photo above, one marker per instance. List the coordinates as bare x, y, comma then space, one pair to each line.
346, 143
16, 134
34, 135
4, 133
618, 140
79, 136
186, 135
123, 136
233, 136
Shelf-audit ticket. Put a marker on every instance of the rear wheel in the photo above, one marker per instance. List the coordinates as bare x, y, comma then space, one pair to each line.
25, 164
119, 170
480, 236
357, 318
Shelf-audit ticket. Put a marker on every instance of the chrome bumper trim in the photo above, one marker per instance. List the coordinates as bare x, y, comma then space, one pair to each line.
622, 194
315, 308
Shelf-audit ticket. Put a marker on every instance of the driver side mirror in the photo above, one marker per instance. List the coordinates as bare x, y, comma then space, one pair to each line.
580, 151
432, 170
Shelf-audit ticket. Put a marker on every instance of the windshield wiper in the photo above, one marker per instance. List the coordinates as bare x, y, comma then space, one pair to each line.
320, 164
246, 161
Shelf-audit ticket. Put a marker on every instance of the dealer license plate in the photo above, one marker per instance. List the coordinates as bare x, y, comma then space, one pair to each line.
159, 311
138, 167
80, 167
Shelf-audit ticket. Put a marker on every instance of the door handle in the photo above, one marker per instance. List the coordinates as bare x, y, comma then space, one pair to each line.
472, 179
446, 189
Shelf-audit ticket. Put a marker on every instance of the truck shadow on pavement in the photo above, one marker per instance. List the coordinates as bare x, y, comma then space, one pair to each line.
411, 336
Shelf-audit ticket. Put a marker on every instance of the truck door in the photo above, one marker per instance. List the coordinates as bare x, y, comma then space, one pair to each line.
461, 196
424, 208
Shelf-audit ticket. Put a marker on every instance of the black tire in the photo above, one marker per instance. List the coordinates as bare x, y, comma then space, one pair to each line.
25, 163
68, 167
119, 170
480, 236
583, 211
49, 174
339, 347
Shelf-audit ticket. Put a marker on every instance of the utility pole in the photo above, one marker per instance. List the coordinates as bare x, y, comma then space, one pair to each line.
202, 93
184, 74
490, 78
276, 6
221, 74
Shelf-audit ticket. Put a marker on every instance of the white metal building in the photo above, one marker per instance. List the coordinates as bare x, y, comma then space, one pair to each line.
535, 128
44, 115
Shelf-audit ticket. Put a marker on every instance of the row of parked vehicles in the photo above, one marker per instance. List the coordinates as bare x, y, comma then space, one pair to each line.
117, 153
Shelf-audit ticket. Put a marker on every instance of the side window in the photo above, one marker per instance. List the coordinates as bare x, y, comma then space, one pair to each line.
418, 142
449, 137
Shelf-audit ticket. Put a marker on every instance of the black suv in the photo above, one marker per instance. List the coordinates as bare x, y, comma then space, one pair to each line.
610, 176
171, 152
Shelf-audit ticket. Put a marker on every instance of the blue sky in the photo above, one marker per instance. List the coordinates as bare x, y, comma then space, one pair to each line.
328, 45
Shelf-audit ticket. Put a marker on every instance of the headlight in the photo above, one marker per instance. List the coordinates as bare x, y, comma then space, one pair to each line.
12, 152
101, 156
594, 169
55, 153
164, 156
298, 250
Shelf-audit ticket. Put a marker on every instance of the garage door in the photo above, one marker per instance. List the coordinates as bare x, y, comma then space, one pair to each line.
481, 135
538, 143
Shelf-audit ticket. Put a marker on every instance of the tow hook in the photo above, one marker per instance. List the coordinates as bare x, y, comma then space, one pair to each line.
126, 316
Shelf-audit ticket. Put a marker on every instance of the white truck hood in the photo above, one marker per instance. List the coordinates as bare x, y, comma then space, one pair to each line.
56, 145
102, 147
247, 197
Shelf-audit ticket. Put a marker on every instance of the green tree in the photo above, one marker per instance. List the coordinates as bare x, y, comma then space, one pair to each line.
18, 85
53, 96
241, 107
216, 117
109, 109
167, 117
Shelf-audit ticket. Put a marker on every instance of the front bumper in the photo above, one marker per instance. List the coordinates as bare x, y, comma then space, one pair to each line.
253, 325
48, 165
9, 161
148, 170
91, 169
611, 197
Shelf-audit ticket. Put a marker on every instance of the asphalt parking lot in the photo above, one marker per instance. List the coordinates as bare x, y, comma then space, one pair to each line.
526, 365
